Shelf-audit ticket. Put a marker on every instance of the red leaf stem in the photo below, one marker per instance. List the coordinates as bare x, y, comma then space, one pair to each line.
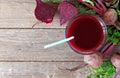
107, 49
75, 68
90, 6
38, 2
99, 6
102, 5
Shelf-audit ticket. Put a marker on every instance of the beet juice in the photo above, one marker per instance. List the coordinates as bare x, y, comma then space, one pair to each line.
88, 31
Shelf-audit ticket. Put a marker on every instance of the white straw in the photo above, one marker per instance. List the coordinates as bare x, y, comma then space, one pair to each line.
59, 42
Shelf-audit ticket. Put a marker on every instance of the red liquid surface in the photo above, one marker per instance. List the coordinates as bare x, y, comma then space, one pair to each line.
87, 32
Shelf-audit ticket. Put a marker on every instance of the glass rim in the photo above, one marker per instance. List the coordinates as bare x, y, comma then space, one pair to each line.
103, 26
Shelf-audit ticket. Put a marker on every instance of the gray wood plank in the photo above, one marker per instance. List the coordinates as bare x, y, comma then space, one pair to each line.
41, 70
20, 14
27, 45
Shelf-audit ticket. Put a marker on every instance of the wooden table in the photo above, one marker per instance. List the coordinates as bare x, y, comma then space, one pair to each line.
21, 46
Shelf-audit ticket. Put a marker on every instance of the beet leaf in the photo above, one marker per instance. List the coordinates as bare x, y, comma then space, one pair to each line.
104, 71
113, 35
84, 9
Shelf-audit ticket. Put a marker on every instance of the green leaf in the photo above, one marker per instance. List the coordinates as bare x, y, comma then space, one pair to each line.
89, 1
108, 38
93, 70
109, 30
91, 11
116, 33
104, 71
84, 9
118, 12
113, 35
56, 1
89, 77
115, 41
101, 69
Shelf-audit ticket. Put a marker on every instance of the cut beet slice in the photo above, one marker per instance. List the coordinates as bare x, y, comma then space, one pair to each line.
66, 11
44, 12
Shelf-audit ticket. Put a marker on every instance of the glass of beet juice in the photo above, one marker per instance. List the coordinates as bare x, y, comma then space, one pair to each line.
89, 33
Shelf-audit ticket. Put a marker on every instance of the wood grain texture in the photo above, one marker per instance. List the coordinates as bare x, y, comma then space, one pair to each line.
21, 46
41, 70
27, 45
20, 14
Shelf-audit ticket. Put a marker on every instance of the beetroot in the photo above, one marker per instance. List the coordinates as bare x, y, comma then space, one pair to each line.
44, 12
110, 18
109, 15
115, 59
66, 11
95, 60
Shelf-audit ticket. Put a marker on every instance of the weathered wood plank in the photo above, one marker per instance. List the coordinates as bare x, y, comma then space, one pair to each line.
41, 70
20, 14
27, 45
